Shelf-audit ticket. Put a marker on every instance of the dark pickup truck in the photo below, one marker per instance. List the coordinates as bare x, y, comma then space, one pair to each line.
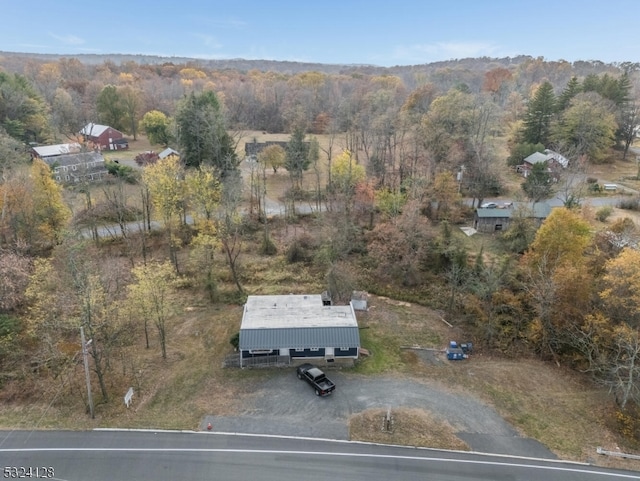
314, 376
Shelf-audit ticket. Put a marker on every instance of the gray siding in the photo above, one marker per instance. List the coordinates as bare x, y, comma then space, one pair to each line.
299, 338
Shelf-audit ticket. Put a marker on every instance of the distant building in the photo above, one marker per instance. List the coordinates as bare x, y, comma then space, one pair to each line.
104, 137
499, 219
168, 153
47, 152
82, 166
252, 149
555, 162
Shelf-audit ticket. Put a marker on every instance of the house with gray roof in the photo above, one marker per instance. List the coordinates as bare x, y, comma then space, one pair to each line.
81, 166
499, 219
293, 328
555, 162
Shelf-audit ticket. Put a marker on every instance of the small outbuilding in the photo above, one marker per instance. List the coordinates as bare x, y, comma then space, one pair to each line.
290, 328
499, 219
168, 153
359, 300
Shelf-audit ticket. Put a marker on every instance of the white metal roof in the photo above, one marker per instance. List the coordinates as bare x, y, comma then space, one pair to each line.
294, 311
167, 152
58, 149
94, 130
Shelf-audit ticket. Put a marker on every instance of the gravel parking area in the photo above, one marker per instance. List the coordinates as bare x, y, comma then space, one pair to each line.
284, 405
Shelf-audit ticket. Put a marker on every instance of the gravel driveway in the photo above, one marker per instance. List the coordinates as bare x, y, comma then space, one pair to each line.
284, 405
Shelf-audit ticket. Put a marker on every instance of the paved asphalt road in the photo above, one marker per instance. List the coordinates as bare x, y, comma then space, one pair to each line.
146, 456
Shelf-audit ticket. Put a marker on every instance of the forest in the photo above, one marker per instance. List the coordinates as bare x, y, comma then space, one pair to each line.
391, 161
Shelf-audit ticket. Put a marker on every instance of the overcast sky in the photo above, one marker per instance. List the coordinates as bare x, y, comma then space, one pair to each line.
384, 33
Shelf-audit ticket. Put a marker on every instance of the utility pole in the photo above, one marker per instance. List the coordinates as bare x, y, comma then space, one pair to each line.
85, 357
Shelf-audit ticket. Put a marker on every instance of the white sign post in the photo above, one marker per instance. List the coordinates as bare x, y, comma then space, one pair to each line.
128, 396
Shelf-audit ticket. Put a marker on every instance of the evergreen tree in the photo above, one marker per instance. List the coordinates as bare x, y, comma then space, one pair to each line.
572, 89
538, 185
539, 114
297, 159
202, 134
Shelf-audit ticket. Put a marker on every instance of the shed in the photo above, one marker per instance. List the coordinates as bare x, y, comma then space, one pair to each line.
104, 137
167, 153
359, 300
499, 219
296, 328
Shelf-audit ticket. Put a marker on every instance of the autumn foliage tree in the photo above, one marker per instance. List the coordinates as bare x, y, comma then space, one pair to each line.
14, 278
272, 156
400, 246
149, 298
558, 282
346, 173
33, 211
165, 181
156, 126
621, 288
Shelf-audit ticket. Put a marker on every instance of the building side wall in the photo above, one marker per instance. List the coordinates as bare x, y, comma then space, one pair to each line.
488, 224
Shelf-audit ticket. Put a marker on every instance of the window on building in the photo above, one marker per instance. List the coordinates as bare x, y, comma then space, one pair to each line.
498, 226
314, 349
299, 350
74, 167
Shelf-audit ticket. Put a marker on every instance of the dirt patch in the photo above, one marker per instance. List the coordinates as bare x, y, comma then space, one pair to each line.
415, 427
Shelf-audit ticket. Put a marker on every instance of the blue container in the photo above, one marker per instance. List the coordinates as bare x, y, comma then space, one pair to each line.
455, 354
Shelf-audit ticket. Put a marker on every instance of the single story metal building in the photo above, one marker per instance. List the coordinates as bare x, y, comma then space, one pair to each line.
499, 219
296, 328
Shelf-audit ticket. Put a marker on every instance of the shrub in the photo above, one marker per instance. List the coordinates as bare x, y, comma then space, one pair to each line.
521, 151
268, 247
124, 172
300, 250
235, 340
603, 213
630, 204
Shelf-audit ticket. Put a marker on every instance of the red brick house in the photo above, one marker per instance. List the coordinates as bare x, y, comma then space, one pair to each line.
104, 137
